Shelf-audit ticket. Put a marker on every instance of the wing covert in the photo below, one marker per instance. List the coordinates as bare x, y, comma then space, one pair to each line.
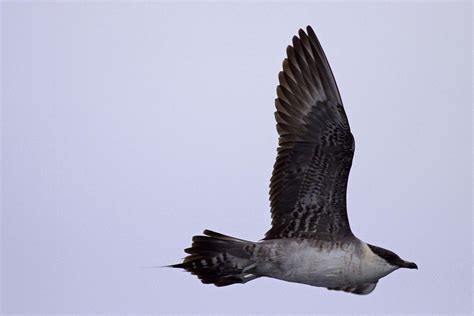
361, 289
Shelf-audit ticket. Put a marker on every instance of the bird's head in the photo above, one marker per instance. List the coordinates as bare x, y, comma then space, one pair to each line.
392, 258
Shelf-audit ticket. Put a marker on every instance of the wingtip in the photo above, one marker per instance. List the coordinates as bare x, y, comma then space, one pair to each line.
311, 32
295, 40
301, 32
305, 31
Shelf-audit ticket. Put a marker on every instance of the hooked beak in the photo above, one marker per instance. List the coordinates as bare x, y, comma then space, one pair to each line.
409, 265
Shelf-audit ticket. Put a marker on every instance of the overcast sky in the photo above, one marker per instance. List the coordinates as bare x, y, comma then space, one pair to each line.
127, 128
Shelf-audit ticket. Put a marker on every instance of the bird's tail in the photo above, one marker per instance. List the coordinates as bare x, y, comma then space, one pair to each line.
219, 259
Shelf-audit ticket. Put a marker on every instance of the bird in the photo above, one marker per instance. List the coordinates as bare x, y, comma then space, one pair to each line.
310, 240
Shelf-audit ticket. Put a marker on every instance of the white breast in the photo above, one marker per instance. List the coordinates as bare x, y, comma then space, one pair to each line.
325, 265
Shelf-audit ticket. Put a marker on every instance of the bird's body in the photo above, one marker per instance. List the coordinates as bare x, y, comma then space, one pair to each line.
321, 263
310, 240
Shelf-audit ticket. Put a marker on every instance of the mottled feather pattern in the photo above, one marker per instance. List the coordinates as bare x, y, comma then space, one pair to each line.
309, 181
219, 259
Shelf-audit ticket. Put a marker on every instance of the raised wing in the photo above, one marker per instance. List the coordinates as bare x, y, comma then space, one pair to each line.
309, 182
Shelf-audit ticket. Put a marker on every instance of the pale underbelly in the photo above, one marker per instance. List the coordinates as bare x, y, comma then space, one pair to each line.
335, 269
323, 278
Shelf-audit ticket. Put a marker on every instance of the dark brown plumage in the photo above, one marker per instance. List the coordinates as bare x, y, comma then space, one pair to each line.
309, 182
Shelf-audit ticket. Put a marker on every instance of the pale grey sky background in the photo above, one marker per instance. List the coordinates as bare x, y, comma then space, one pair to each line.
127, 128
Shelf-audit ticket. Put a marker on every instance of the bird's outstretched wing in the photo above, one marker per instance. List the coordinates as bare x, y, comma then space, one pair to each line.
309, 181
